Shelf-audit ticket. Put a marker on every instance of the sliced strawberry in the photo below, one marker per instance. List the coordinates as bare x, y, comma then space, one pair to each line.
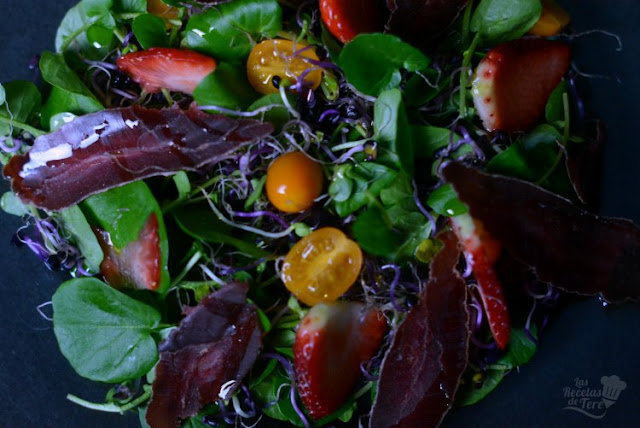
167, 68
513, 82
331, 342
481, 252
138, 265
347, 19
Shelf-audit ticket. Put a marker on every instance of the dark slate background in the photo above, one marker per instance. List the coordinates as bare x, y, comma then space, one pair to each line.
584, 340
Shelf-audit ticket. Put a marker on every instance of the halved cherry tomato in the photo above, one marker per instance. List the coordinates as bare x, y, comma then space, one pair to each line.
552, 20
272, 61
293, 182
322, 266
345, 19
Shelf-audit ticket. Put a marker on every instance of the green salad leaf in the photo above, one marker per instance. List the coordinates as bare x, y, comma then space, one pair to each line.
498, 21
227, 31
391, 126
372, 62
150, 31
105, 335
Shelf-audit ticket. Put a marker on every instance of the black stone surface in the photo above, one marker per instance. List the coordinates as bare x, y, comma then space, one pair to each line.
584, 340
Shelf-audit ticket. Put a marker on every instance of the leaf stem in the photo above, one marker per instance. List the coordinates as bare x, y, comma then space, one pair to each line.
111, 407
464, 74
466, 19
28, 128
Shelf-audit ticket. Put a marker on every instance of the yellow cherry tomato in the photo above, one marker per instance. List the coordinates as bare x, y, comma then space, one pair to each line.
293, 182
163, 10
552, 20
322, 266
271, 61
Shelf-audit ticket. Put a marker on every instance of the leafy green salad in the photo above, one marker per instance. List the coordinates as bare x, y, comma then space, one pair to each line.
313, 212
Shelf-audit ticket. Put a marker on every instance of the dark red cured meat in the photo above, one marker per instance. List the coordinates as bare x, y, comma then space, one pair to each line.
421, 371
584, 164
218, 341
130, 143
566, 246
422, 21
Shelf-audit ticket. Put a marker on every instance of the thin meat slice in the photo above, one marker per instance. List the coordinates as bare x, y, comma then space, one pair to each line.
217, 342
566, 246
421, 371
113, 147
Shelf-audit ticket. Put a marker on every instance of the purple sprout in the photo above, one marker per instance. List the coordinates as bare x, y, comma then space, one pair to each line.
422, 209
265, 213
17, 144
292, 376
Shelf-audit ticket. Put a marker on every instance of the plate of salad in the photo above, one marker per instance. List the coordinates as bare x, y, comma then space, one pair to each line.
276, 213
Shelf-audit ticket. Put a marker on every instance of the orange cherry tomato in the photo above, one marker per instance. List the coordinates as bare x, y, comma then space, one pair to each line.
163, 10
322, 266
345, 19
272, 61
293, 182
552, 20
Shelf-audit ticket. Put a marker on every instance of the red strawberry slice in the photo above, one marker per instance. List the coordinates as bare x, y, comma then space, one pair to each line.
138, 264
331, 342
167, 68
347, 19
513, 82
481, 252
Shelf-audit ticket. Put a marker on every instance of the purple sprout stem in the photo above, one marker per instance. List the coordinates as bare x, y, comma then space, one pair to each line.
422, 209
326, 113
292, 375
299, 12
255, 214
16, 145
365, 373
347, 155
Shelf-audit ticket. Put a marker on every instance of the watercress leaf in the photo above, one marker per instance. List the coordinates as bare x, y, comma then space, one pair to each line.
11, 204
59, 119
75, 223
101, 37
62, 102
276, 398
201, 223
374, 233
105, 335
69, 94
57, 73
2, 94
226, 87
228, 31
535, 158
150, 31
422, 88
501, 20
369, 178
97, 7
129, 6
429, 139
73, 38
554, 110
521, 348
341, 188
372, 62
391, 126
22, 100
469, 393
278, 114
444, 200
